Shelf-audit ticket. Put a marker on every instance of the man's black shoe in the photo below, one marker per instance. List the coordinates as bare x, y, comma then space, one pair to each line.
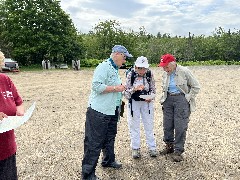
94, 177
114, 164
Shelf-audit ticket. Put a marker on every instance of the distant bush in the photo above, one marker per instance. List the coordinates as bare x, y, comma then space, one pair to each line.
33, 67
90, 62
208, 63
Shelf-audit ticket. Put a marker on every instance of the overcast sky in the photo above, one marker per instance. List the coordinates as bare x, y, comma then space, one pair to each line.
176, 17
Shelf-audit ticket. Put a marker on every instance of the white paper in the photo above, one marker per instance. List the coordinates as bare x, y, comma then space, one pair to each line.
12, 122
148, 96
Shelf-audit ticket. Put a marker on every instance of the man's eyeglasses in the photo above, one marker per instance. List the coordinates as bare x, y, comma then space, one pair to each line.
124, 57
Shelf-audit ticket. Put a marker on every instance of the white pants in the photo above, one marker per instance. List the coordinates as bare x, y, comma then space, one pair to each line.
145, 111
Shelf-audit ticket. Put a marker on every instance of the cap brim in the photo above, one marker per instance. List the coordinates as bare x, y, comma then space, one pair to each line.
128, 55
140, 65
162, 64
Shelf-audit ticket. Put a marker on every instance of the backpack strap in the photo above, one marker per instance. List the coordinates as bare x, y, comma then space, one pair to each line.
133, 76
130, 104
129, 70
148, 76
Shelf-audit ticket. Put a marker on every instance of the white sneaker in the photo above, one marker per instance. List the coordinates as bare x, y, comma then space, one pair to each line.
136, 153
153, 153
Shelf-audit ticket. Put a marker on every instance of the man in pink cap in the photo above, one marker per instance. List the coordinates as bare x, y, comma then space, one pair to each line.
180, 88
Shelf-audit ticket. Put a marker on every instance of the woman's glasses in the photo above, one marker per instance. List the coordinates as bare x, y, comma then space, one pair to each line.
141, 68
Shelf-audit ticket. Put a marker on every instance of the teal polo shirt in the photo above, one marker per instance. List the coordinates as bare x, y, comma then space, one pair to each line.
105, 75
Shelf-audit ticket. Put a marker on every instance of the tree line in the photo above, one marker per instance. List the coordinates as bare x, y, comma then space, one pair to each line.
32, 31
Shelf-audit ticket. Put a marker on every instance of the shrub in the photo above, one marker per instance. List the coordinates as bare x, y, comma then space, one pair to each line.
90, 62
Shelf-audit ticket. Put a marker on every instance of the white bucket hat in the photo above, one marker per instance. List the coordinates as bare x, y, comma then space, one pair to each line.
142, 62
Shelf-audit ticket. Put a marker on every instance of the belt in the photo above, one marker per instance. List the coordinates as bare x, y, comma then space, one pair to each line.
174, 94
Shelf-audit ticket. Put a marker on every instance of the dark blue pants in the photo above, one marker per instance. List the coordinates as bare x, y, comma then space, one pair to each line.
176, 112
8, 168
100, 133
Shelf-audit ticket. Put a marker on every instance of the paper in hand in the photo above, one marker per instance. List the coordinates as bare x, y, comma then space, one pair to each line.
12, 122
148, 96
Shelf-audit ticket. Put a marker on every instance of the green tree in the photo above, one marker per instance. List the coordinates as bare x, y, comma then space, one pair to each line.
37, 30
228, 44
107, 35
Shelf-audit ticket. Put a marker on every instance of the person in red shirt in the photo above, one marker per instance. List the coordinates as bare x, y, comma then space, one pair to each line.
11, 104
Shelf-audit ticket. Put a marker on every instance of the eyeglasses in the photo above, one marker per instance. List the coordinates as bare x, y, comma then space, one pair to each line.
141, 68
124, 57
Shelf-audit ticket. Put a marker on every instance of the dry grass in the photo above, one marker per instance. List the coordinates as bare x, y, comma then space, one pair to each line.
50, 144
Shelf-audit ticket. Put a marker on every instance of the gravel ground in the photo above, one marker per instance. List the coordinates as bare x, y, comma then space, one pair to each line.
50, 144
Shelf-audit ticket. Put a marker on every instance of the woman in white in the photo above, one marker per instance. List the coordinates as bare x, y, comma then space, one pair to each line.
140, 82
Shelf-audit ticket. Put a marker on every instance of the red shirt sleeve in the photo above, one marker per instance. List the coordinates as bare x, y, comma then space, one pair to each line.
17, 98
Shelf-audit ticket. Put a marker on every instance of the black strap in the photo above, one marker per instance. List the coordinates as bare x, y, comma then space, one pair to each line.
130, 102
134, 75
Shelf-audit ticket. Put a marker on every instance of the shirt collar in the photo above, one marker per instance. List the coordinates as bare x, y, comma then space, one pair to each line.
113, 64
173, 73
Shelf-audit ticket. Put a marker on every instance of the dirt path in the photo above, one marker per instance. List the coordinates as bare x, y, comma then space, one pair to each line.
50, 144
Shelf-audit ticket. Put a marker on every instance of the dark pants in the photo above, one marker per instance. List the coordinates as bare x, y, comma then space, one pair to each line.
176, 112
100, 133
8, 168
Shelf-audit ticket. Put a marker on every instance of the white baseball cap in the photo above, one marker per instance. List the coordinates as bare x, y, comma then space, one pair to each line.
142, 62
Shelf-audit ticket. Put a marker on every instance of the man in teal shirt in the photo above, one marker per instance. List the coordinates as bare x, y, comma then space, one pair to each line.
103, 113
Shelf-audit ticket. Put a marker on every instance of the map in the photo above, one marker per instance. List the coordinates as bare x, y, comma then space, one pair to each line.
12, 122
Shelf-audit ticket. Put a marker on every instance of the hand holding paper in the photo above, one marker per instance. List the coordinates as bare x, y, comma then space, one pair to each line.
2, 115
12, 122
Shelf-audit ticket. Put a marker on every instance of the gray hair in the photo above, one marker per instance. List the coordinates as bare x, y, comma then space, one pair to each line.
1, 56
112, 54
173, 63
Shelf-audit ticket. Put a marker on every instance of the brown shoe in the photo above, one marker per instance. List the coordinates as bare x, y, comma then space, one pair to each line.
168, 149
177, 157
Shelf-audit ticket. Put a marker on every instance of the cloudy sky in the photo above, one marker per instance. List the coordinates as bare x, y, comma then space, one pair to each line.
176, 17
